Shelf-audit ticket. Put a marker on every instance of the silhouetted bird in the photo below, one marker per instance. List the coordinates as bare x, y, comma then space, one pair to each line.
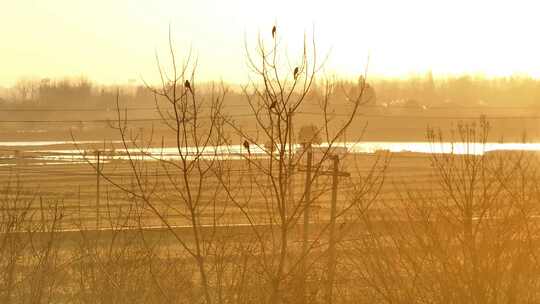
246, 145
273, 105
295, 73
274, 31
188, 86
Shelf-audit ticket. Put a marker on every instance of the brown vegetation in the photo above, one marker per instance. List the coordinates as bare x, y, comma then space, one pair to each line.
232, 217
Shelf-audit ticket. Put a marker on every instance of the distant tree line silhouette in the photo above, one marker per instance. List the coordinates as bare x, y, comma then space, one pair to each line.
453, 91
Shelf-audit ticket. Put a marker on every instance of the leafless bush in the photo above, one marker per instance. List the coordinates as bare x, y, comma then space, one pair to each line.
29, 246
126, 263
470, 237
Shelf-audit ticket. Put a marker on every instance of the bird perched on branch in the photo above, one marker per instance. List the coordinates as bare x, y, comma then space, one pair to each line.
273, 105
246, 145
188, 86
295, 73
274, 31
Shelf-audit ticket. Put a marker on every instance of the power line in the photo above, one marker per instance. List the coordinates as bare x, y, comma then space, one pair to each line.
107, 109
75, 121
423, 116
112, 120
72, 109
446, 107
79, 121
379, 106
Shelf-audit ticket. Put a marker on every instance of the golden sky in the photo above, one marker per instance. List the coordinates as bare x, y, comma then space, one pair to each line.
111, 41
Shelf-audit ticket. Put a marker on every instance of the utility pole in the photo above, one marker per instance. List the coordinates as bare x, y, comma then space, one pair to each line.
290, 172
307, 206
98, 173
332, 229
331, 266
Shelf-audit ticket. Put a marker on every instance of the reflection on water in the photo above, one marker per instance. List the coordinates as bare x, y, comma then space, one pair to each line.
445, 147
62, 156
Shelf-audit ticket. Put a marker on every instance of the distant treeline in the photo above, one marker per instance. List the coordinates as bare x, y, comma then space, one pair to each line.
459, 91
78, 93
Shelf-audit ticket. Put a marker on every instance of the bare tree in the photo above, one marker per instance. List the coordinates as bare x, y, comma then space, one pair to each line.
178, 190
272, 157
232, 209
